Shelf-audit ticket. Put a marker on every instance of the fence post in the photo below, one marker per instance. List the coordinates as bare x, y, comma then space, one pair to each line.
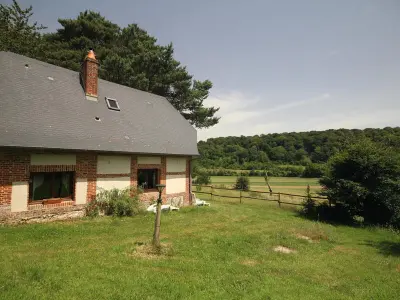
279, 199
212, 191
240, 199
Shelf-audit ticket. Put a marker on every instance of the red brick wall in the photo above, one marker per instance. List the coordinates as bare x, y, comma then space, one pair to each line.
15, 166
86, 167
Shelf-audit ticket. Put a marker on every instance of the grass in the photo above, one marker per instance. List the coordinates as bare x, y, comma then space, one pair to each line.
291, 185
220, 252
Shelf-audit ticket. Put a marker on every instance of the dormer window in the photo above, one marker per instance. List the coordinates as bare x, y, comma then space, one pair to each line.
112, 104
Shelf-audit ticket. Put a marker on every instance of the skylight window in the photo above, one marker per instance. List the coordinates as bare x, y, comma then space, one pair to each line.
112, 104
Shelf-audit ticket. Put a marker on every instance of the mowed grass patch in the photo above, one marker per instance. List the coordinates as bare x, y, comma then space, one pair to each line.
293, 185
225, 251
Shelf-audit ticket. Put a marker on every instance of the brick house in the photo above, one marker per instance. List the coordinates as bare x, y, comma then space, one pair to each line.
65, 135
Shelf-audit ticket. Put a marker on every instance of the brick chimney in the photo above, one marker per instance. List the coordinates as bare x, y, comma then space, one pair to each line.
89, 74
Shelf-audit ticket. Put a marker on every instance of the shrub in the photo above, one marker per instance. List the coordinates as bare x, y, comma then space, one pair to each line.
242, 183
337, 213
313, 171
92, 209
203, 179
116, 202
366, 179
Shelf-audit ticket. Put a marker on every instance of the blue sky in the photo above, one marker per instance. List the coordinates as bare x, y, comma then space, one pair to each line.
277, 66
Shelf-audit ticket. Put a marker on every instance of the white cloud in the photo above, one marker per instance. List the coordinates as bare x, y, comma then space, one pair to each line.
248, 115
297, 103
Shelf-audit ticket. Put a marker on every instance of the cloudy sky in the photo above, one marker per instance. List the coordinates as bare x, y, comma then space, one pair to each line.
277, 66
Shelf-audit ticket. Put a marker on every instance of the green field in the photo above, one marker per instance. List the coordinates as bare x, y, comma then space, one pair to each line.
292, 185
220, 252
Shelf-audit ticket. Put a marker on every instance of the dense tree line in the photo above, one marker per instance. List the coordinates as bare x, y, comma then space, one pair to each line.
128, 56
302, 148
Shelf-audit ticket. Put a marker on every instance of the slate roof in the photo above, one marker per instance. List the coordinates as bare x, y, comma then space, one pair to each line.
38, 112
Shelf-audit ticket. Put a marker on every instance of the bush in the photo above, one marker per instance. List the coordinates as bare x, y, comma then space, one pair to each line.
313, 171
92, 209
242, 183
116, 202
203, 179
366, 179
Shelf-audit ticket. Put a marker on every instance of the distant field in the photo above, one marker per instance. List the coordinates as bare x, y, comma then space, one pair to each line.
292, 185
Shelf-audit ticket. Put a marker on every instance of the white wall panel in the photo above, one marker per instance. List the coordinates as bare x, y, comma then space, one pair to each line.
111, 183
53, 159
176, 164
113, 164
81, 191
19, 196
175, 184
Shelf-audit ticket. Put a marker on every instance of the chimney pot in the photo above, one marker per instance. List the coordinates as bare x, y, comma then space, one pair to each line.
91, 54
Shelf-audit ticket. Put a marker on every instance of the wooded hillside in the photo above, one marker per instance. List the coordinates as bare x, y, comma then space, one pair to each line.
302, 148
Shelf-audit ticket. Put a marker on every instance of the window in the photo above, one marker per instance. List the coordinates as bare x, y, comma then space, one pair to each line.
147, 179
112, 104
51, 185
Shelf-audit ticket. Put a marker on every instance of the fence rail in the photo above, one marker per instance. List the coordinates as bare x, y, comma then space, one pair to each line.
250, 194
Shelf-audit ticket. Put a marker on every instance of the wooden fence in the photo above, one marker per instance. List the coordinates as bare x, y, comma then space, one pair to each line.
280, 198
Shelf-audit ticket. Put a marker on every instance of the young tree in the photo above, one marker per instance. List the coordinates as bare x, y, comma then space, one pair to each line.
366, 179
309, 208
242, 183
203, 179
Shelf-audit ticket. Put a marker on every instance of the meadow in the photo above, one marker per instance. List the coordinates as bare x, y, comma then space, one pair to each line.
291, 185
225, 251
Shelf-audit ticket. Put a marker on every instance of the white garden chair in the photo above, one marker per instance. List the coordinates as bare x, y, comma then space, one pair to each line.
164, 207
199, 202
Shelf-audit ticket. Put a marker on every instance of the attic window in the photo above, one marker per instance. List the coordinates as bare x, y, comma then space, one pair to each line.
112, 104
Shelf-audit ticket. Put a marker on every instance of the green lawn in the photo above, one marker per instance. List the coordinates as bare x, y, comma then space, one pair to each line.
220, 252
293, 185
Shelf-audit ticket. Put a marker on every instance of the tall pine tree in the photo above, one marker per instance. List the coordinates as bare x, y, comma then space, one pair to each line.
17, 33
